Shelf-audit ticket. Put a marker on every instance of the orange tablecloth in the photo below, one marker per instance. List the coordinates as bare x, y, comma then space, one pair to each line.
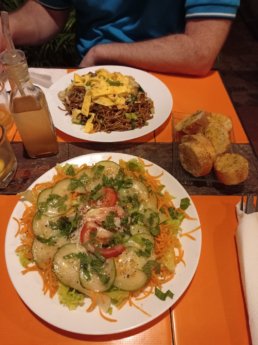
210, 312
189, 94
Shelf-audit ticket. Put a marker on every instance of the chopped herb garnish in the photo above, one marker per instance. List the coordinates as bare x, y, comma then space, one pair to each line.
96, 193
150, 266
98, 170
114, 82
174, 214
69, 170
184, 203
134, 165
65, 225
54, 201
163, 295
74, 184
109, 222
131, 116
145, 243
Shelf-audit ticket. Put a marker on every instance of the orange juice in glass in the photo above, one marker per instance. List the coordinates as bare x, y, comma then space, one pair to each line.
8, 161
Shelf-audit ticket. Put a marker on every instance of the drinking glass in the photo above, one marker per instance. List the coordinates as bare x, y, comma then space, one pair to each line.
6, 118
8, 161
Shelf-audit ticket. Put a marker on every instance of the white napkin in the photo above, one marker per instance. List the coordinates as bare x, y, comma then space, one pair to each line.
247, 247
45, 77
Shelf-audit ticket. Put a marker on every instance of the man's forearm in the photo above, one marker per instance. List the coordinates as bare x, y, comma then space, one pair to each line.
193, 52
33, 24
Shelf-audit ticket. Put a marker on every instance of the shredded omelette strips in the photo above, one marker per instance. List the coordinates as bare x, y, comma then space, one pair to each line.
106, 101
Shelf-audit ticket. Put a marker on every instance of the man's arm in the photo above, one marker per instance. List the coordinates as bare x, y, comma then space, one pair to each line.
192, 52
34, 24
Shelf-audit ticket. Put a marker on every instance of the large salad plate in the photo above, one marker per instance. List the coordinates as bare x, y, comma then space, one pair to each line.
29, 286
154, 87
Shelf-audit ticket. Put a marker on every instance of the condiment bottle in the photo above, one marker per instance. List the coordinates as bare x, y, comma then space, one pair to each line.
29, 107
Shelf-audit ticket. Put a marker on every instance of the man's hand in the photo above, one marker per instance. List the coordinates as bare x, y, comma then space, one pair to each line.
92, 58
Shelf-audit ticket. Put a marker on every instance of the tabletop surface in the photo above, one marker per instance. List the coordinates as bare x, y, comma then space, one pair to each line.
212, 310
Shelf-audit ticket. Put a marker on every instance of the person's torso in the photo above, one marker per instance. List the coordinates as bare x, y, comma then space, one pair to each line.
126, 20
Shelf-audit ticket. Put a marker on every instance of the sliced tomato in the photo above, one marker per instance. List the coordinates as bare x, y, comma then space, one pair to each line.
85, 233
112, 252
109, 197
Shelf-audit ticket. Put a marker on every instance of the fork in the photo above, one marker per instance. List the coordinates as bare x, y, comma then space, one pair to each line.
247, 203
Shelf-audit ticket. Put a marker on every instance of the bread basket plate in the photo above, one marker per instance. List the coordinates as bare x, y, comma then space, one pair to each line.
154, 88
209, 180
29, 286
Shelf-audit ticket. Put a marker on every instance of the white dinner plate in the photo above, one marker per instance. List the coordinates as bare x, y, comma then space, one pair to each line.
155, 89
29, 286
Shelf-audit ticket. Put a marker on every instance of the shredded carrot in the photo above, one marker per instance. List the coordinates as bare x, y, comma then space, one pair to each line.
131, 303
185, 214
93, 297
179, 257
164, 241
33, 268
146, 293
122, 304
19, 226
188, 233
106, 317
50, 282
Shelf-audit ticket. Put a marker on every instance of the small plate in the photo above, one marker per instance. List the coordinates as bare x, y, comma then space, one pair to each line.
154, 88
29, 286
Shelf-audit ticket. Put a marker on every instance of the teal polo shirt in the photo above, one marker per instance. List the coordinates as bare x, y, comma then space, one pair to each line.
109, 21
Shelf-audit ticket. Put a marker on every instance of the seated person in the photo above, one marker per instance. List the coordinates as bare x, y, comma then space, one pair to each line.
170, 36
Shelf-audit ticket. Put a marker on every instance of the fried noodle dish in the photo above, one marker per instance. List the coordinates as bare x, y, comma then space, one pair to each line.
106, 102
102, 235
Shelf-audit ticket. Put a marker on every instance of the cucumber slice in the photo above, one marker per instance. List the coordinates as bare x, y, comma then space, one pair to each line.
66, 266
137, 241
41, 225
111, 168
62, 187
151, 217
137, 188
129, 275
86, 173
95, 283
55, 205
43, 195
43, 253
138, 229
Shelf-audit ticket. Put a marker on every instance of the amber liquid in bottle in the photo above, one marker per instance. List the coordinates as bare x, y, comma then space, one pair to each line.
29, 108
33, 122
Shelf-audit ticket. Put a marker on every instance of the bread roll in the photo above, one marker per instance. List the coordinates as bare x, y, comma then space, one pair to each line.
196, 154
192, 124
221, 120
218, 136
231, 168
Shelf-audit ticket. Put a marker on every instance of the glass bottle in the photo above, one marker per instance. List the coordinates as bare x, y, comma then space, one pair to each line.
29, 107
